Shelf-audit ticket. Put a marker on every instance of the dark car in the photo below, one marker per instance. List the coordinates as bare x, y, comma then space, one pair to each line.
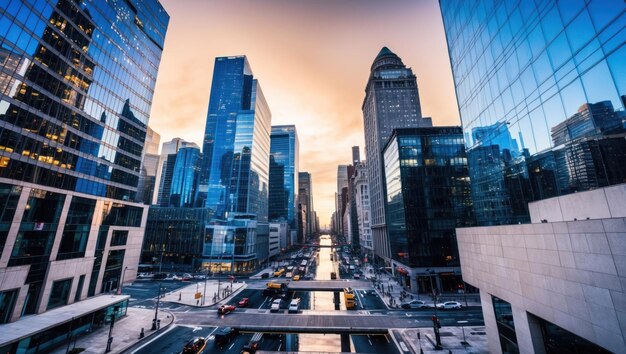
265, 275
224, 309
224, 335
194, 346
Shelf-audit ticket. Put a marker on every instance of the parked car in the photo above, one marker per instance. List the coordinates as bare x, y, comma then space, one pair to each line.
225, 309
176, 277
450, 305
187, 277
244, 302
276, 305
357, 276
224, 335
195, 346
414, 304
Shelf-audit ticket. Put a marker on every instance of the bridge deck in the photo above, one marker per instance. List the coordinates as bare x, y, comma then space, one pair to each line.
327, 285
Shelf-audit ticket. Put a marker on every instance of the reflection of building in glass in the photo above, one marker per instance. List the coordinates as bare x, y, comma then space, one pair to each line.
149, 168
552, 76
283, 176
235, 168
428, 195
391, 101
77, 80
166, 169
185, 177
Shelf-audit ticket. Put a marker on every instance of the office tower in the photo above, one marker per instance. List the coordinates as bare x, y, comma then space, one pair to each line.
391, 101
74, 106
428, 196
185, 177
541, 91
305, 194
167, 164
342, 197
149, 167
362, 204
356, 155
235, 169
283, 175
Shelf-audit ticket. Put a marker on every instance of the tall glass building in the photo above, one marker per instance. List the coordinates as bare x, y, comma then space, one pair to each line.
235, 170
541, 89
283, 175
76, 87
428, 196
391, 101
185, 177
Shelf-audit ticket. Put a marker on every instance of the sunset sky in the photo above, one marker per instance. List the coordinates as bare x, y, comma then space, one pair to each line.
312, 60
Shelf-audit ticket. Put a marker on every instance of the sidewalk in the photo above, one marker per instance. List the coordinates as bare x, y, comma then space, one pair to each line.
125, 332
390, 291
216, 291
451, 340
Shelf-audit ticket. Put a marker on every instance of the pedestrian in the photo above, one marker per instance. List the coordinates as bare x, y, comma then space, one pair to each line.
197, 302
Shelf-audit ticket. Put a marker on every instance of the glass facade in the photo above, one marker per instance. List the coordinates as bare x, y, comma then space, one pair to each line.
185, 177
174, 238
541, 89
506, 325
428, 195
283, 175
79, 77
235, 171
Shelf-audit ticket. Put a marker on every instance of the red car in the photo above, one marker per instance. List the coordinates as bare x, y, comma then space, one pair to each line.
244, 302
224, 309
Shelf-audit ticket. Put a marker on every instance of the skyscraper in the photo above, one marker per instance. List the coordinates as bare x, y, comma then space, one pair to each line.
235, 169
149, 168
74, 103
305, 192
541, 89
391, 101
428, 196
342, 196
283, 175
167, 169
356, 155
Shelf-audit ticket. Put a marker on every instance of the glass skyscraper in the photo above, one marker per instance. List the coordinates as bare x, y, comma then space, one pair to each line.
235, 169
185, 177
236, 142
428, 196
283, 176
76, 87
541, 89
391, 101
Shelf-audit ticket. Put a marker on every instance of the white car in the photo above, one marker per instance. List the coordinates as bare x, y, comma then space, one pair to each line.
414, 304
294, 306
276, 305
450, 305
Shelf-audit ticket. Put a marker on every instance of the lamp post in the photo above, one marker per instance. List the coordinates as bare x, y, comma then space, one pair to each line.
121, 287
110, 339
156, 310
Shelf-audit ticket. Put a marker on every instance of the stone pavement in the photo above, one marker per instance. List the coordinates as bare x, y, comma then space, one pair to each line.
216, 292
451, 340
390, 291
125, 332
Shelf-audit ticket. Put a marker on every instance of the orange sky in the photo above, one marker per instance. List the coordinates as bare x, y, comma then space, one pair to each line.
312, 59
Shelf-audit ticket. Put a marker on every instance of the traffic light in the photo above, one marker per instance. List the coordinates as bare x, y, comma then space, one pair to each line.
436, 322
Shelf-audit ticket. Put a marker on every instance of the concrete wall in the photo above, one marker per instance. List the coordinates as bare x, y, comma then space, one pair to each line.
571, 273
604, 203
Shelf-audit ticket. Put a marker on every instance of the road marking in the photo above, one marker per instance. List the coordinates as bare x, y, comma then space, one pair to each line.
387, 338
370, 341
196, 329
153, 339
231, 346
210, 335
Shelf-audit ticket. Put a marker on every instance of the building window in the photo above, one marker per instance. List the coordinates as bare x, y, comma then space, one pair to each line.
558, 340
506, 325
7, 303
119, 238
77, 227
60, 293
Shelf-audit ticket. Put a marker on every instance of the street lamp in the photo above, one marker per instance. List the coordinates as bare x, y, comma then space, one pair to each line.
110, 339
156, 310
120, 288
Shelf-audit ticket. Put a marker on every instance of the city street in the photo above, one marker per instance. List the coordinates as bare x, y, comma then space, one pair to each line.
192, 321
